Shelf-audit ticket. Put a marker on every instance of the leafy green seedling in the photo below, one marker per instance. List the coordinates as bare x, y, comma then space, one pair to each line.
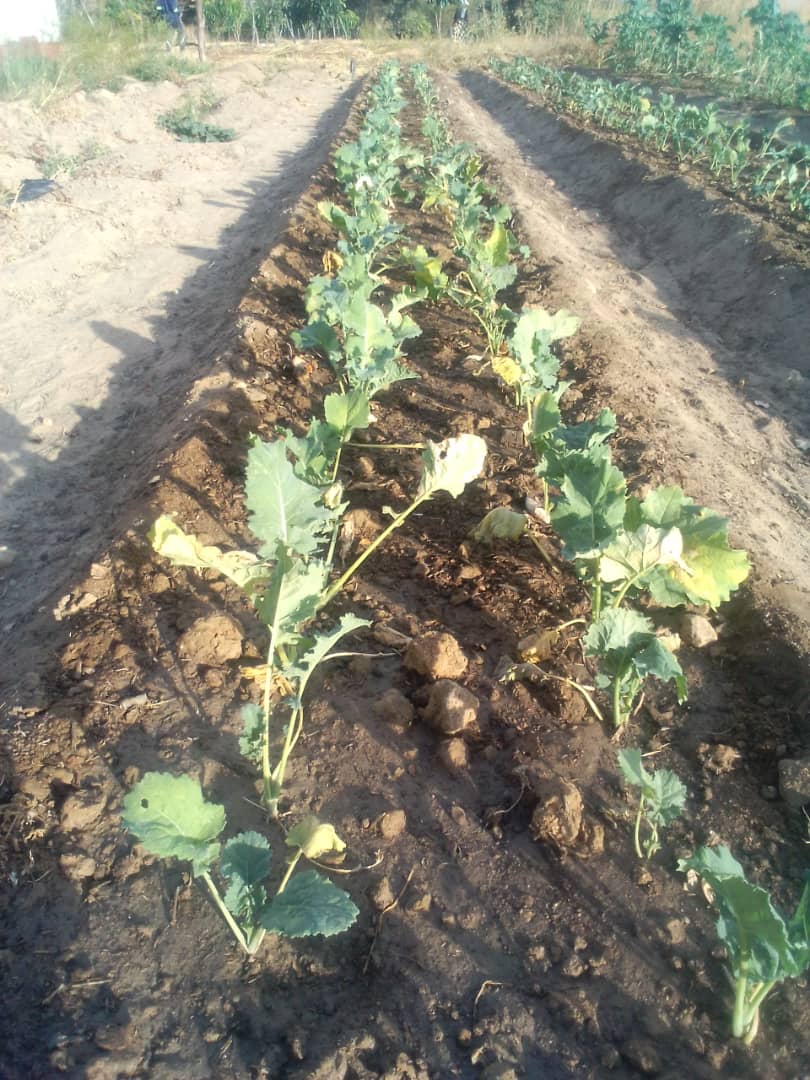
172, 819
629, 650
660, 801
763, 947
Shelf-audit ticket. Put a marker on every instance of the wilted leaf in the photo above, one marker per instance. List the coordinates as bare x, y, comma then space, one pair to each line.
314, 838
182, 549
499, 524
452, 464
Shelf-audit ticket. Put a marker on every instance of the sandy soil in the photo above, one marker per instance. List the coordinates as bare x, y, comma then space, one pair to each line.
113, 290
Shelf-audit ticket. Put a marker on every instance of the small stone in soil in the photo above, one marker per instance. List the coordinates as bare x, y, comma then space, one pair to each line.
643, 1056
696, 630
392, 824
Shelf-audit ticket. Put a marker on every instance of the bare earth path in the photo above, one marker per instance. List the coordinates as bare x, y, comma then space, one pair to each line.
705, 328
114, 290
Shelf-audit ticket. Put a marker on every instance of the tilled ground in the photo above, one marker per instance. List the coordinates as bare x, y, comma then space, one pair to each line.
479, 950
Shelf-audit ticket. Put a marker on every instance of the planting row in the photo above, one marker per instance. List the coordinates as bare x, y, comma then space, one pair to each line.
672, 37
776, 173
660, 550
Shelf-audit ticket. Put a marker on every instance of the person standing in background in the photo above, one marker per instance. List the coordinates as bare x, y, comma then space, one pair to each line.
171, 13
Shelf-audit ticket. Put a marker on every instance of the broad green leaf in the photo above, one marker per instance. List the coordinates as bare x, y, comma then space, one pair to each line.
537, 328
315, 838
282, 508
247, 857
753, 931
318, 336
182, 549
591, 511
245, 863
710, 570
497, 245
499, 524
347, 412
310, 904
171, 818
252, 738
625, 642
667, 797
427, 271
452, 464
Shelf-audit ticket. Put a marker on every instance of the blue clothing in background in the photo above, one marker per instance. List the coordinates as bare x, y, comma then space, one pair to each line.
171, 13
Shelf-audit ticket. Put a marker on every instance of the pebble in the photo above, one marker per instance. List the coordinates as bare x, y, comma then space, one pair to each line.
7, 556
643, 1056
696, 630
392, 824
76, 866
381, 895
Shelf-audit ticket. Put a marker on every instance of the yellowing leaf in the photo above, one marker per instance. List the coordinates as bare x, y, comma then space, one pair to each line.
507, 369
314, 838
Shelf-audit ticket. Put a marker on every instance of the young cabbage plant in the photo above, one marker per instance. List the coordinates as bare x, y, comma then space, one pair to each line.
288, 581
660, 801
172, 819
530, 366
628, 650
762, 947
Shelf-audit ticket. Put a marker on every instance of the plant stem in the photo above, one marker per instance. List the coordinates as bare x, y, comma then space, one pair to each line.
229, 919
741, 1019
618, 719
637, 830
387, 446
336, 586
290, 867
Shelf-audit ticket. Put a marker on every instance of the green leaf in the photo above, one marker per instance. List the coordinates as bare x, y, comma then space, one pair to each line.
245, 862
283, 509
318, 336
182, 549
537, 328
666, 798
247, 857
635, 554
292, 596
452, 464
251, 740
347, 412
754, 933
632, 768
319, 651
499, 524
625, 642
315, 452
171, 818
315, 838
591, 511
711, 570
310, 904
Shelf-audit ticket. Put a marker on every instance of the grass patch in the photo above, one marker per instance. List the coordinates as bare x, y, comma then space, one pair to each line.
188, 121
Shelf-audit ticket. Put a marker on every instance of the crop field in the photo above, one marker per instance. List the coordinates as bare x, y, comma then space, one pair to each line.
407, 658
